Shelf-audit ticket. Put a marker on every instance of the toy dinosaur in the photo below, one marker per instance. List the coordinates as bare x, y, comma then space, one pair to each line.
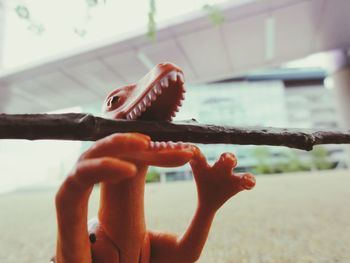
119, 163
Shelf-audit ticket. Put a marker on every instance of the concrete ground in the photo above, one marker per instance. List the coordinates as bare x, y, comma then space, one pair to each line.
286, 218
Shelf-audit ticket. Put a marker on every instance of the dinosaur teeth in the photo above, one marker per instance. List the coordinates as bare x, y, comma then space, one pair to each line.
147, 101
163, 145
172, 76
137, 112
173, 80
155, 146
179, 144
157, 89
164, 82
171, 145
152, 92
181, 77
142, 106
143, 103
182, 96
152, 95
131, 116
158, 145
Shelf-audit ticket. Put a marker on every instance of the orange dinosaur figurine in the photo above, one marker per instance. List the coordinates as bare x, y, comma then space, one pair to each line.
119, 163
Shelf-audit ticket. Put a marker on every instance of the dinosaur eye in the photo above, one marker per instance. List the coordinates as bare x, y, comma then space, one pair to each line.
114, 100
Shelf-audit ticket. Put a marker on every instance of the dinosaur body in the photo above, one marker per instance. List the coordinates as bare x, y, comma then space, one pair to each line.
119, 163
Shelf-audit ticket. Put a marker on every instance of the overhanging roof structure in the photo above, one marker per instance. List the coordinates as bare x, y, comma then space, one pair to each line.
255, 34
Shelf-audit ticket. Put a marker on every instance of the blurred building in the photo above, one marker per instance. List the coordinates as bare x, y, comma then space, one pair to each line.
278, 98
313, 106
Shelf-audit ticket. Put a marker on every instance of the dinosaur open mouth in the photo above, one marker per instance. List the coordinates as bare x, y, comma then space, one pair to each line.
163, 154
159, 146
162, 100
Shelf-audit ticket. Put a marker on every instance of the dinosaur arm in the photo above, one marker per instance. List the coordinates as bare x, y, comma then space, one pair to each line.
215, 185
98, 164
192, 242
188, 247
72, 239
73, 243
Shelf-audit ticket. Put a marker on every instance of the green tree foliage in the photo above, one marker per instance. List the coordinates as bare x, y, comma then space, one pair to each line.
290, 161
23, 13
152, 25
319, 157
263, 156
152, 176
293, 164
214, 14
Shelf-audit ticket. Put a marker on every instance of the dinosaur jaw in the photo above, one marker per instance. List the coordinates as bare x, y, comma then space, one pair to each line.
162, 154
161, 100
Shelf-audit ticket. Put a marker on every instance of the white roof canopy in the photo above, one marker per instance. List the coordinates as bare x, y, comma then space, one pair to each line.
255, 34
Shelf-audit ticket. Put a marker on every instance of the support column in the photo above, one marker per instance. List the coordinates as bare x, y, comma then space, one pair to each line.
2, 31
162, 177
341, 80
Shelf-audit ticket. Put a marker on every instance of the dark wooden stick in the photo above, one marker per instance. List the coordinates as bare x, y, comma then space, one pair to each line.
87, 127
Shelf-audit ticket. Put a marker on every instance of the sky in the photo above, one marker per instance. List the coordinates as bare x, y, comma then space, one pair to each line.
111, 20
62, 19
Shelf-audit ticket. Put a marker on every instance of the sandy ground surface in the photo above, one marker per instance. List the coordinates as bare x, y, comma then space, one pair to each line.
290, 218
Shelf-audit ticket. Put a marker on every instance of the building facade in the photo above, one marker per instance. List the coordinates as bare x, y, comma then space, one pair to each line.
275, 103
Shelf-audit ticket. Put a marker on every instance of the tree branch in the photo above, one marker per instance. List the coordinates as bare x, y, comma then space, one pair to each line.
87, 127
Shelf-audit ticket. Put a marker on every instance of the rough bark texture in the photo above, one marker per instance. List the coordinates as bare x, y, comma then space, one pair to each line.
86, 127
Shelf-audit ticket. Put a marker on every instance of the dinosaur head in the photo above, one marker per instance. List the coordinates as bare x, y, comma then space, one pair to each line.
157, 96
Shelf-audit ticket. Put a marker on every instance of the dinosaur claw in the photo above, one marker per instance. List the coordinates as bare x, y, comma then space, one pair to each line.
248, 181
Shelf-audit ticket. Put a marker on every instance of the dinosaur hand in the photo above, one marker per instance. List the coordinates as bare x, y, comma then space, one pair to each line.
117, 144
138, 148
216, 184
101, 163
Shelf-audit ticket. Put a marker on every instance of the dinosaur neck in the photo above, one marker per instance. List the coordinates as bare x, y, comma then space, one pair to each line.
121, 212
